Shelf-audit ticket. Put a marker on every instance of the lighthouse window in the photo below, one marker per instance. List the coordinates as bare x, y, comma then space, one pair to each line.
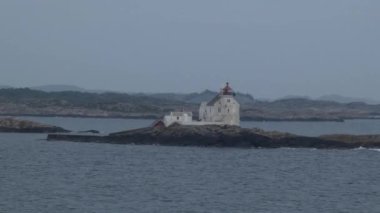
228, 110
219, 110
177, 118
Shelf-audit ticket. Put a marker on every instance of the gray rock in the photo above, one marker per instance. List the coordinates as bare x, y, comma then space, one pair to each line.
218, 136
24, 126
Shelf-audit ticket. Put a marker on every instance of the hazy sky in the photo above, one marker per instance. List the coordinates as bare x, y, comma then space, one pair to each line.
269, 48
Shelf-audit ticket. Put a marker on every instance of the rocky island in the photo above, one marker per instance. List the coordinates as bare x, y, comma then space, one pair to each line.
222, 136
218, 125
24, 126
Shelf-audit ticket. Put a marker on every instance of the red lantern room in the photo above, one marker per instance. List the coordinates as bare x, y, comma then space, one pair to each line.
227, 90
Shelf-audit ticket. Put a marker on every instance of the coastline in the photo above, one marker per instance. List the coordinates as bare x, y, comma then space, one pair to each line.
222, 136
153, 117
11, 125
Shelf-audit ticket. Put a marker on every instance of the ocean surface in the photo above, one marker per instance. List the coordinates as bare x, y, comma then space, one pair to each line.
41, 176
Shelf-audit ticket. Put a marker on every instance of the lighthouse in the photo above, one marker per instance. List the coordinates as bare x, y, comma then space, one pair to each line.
223, 109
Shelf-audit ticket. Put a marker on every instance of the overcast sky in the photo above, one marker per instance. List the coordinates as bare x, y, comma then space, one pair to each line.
269, 48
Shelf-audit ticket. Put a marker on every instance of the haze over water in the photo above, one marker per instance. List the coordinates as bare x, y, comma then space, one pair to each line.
267, 48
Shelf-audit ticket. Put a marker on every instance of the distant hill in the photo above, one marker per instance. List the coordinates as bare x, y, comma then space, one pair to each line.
26, 101
194, 98
109, 104
65, 88
344, 99
58, 88
295, 97
333, 98
244, 99
197, 98
5, 87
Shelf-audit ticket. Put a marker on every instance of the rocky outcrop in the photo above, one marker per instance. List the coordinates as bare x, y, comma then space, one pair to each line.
23, 126
216, 136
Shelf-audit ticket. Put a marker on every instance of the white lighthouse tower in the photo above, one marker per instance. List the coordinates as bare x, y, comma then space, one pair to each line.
222, 109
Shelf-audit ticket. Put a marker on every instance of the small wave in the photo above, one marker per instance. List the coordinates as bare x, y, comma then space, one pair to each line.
360, 148
371, 149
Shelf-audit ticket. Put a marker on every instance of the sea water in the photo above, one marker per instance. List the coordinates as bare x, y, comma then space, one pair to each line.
45, 176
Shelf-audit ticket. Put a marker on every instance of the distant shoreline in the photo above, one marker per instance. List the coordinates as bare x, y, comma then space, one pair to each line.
27, 102
153, 117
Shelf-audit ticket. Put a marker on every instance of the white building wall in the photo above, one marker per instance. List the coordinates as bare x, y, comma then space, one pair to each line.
184, 118
225, 110
222, 110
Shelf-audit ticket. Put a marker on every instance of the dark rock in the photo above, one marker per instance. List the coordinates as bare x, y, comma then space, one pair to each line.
90, 131
23, 126
217, 136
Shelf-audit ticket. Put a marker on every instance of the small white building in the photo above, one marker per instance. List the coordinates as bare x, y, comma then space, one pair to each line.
184, 118
223, 109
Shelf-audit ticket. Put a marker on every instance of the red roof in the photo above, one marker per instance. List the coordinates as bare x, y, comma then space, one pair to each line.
227, 90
